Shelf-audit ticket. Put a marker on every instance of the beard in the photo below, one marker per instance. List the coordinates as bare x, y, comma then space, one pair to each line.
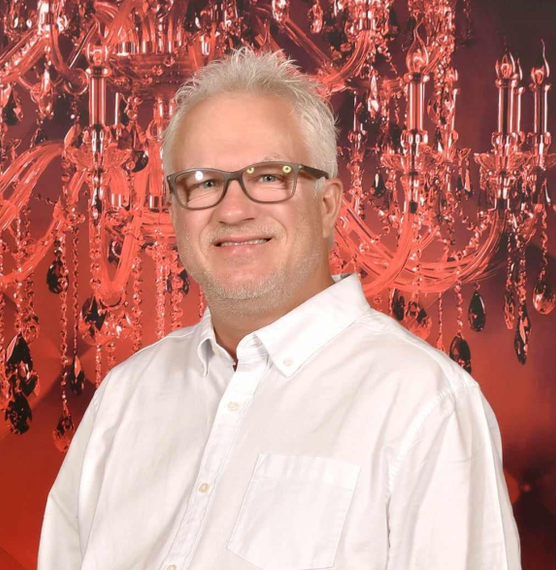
235, 293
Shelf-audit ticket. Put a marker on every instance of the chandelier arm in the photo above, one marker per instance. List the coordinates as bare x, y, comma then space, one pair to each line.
336, 81
120, 21
33, 162
57, 225
468, 265
76, 78
431, 271
22, 56
299, 37
398, 261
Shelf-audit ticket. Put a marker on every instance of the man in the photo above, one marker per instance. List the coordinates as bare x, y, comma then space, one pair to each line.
294, 427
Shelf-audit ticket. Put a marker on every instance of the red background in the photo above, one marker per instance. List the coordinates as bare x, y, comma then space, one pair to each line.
523, 397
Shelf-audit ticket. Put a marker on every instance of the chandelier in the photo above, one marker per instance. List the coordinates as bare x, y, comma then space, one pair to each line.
101, 76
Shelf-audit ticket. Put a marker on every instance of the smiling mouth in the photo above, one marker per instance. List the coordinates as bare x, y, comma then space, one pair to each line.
246, 242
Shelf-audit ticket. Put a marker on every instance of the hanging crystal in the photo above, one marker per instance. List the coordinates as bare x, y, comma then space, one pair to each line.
12, 112
544, 297
476, 313
91, 321
63, 432
522, 332
18, 414
54, 277
398, 304
19, 367
509, 309
417, 320
460, 352
379, 187
315, 17
76, 377
440, 339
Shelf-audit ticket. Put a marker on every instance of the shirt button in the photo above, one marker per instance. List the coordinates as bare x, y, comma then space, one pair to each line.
215, 351
233, 406
288, 361
171, 567
203, 488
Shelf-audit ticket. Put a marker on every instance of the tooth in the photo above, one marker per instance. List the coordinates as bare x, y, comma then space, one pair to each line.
250, 242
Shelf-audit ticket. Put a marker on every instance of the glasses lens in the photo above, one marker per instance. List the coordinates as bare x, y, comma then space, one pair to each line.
272, 182
199, 188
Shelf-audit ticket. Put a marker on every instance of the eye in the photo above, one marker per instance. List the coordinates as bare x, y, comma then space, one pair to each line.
269, 178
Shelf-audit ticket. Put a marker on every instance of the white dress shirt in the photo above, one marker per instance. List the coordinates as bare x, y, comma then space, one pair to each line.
341, 441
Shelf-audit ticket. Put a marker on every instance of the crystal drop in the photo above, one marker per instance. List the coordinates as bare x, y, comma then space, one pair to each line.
91, 321
440, 343
544, 298
63, 432
522, 331
19, 367
139, 159
316, 18
114, 251
18, 351
417, 320
393, 23
460, 352
468, 187
30, 327
398, 305
55, 278
378, 187
18, 414
12, 112
476, 312
459, 183
38, 137
28, 380
118, 326
76, 377
179, 280
509, 309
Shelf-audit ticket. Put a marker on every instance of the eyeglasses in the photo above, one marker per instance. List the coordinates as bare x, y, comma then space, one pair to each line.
263, 182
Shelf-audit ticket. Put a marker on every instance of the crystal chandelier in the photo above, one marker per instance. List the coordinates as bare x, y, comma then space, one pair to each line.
102, 75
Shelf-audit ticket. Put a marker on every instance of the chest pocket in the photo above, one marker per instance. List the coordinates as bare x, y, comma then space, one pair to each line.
293, 512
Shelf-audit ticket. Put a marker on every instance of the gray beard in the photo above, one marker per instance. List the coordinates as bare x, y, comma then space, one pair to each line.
261, 295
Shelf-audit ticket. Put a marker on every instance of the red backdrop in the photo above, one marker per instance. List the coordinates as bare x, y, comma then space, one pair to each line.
523, 397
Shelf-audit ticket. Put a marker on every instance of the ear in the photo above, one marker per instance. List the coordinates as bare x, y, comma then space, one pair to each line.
330, 199
171, 205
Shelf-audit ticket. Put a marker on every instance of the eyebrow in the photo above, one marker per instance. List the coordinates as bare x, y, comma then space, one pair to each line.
273, 157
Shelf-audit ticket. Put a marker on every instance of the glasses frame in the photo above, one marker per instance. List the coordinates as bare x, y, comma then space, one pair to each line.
238, 174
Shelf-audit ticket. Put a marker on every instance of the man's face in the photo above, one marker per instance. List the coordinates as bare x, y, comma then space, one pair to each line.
230, 132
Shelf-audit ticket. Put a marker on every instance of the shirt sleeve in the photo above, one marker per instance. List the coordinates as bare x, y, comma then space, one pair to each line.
60, 545
449, 505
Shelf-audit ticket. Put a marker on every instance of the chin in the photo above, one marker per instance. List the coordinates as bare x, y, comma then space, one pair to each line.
239, 289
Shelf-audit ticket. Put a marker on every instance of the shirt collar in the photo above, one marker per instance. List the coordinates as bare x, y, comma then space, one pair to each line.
296, 336
207, 340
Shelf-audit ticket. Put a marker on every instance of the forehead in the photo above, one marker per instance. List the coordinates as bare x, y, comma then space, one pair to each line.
230, 131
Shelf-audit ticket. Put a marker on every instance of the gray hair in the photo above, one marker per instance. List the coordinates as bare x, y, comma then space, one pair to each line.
245, 71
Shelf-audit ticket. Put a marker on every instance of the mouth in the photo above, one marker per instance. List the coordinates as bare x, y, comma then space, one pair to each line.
241, 242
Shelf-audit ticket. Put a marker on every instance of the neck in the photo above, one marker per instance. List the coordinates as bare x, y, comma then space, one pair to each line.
232, 322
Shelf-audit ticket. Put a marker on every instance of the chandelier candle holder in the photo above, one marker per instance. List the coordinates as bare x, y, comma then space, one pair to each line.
103, 75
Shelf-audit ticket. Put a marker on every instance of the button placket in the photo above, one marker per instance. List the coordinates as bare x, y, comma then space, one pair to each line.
221, 438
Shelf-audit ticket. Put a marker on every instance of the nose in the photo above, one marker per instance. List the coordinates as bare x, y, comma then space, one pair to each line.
235, 207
